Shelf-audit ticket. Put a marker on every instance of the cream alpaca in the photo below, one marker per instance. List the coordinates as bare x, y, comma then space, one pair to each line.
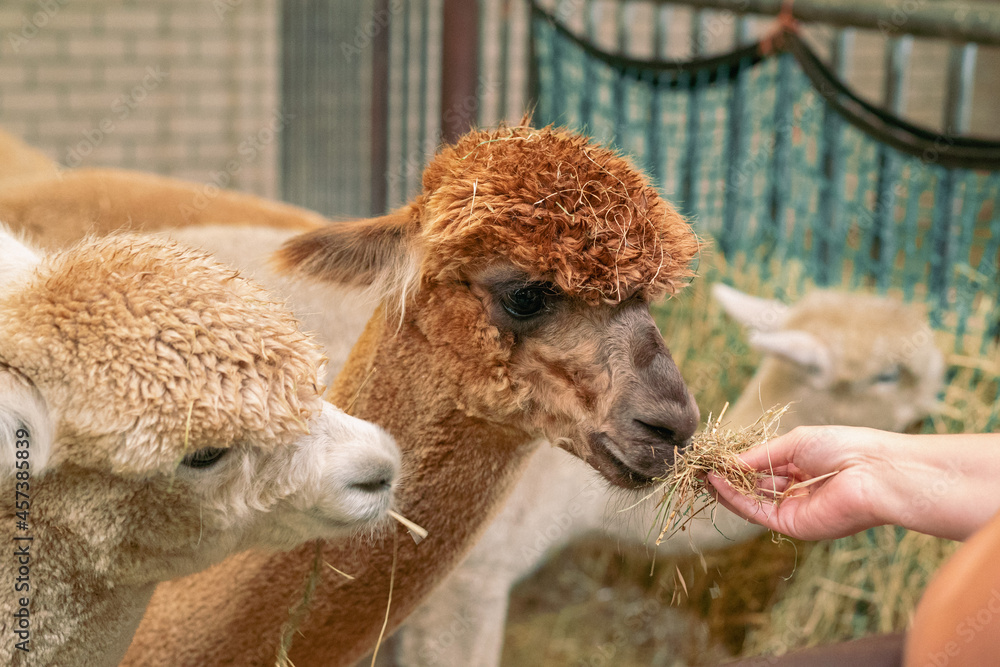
160, 412
536, 252
837, 357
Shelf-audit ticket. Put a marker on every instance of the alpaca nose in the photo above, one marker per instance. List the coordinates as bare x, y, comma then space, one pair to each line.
673, 424
377, 480
667, 411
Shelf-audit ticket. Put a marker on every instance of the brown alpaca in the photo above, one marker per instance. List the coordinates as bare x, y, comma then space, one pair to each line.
515, 291
157, 413
844, 358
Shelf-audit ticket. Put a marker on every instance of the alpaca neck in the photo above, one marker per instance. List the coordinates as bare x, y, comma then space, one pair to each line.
457, 470
76, 616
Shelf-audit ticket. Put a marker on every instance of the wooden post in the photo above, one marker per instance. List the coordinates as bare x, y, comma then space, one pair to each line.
459, 68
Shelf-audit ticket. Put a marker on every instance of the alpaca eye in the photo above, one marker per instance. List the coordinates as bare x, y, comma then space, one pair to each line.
525, 302
888, 376
204, 458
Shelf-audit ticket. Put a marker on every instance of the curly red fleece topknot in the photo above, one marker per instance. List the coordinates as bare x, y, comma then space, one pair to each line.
552, 202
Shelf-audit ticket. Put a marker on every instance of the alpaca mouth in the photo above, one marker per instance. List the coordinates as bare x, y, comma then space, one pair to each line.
612, 468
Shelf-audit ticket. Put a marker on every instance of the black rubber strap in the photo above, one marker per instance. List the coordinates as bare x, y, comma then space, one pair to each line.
931, 147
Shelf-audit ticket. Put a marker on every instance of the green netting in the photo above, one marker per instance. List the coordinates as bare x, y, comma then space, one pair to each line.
781, 166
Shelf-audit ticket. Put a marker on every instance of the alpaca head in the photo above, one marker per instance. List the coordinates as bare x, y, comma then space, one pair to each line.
527, 264
168, 413
854, 359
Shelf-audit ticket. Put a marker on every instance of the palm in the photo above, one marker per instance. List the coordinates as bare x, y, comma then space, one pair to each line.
829, 509
822, 492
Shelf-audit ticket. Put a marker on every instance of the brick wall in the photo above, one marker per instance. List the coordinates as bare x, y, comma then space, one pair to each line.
187, 88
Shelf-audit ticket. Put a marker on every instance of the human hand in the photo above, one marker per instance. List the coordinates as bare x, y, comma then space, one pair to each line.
848, 501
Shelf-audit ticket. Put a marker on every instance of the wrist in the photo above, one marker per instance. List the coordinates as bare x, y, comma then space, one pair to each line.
898, 481
942, 485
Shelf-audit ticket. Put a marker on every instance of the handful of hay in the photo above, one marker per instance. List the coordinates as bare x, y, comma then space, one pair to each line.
715, 449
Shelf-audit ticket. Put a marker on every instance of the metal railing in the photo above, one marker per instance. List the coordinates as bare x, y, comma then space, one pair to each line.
419, 71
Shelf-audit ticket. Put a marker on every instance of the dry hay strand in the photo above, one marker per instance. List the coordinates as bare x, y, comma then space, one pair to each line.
847, 588
714, 450
298, 612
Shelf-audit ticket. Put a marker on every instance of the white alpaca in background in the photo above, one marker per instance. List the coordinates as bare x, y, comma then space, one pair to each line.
839, 358
158, 413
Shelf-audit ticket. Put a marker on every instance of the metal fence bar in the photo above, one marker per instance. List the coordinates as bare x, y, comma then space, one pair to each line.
621, 41
590, 27
897, 57
424, 38
691, 163
742, 34
831, 195
654, 138
736, 148
912, 271
942, 244
779, 171
960, 67
664, 16
958, 98
989, 269
957, 20
380, 114
964, 279
699, 19
831, 199
404, 105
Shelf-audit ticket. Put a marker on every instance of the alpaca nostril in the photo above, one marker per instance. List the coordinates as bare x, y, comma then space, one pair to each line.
373, 486
661, 432
379, 479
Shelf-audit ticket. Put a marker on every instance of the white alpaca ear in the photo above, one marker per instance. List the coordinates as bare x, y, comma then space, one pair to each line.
752, 312
25, 426
17, 260
795, 346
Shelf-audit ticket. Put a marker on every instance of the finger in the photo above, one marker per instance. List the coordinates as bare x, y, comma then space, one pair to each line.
772, 485
734, 501
772, 455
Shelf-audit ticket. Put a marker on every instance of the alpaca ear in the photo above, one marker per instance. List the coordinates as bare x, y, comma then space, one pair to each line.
360, 253
18, 258
798, 347
752, 312
25, 426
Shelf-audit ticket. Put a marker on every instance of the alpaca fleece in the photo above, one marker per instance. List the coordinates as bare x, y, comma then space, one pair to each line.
552, 203
182, 359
